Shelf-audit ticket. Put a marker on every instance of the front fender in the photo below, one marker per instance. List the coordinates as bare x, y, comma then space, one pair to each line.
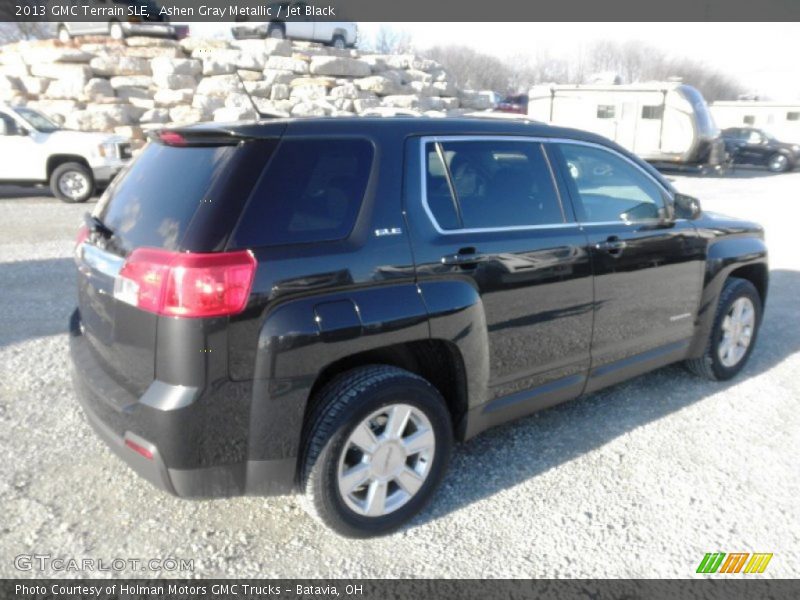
724, 256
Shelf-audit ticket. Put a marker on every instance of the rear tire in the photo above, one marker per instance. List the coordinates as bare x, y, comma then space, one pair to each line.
72, 183
732, 338
378, 442
276, 32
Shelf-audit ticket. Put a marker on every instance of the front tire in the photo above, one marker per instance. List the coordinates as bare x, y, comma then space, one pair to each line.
733, 334
779, 163
72, 183
378, 443
116, 31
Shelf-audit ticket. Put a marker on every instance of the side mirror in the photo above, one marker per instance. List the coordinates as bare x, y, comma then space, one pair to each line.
22, 131
687, 207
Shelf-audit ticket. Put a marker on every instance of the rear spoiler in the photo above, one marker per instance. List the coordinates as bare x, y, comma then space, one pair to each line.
205, 136
196, 138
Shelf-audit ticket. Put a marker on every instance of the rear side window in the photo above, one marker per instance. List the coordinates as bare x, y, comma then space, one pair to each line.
154, 202
311, 191
490, 184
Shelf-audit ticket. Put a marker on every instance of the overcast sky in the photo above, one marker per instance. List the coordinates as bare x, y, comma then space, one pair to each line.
764, 57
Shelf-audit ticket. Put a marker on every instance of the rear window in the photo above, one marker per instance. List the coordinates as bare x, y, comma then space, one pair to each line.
311, 191
154, 202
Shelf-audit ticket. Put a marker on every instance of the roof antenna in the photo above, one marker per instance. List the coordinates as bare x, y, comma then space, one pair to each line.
261, 114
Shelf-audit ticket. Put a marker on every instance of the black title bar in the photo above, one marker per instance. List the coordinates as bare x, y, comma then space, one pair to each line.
225, 11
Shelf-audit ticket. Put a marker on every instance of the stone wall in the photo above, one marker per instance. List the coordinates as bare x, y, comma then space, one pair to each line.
97, 84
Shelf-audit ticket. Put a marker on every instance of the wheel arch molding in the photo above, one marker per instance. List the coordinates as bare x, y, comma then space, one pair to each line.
740, 256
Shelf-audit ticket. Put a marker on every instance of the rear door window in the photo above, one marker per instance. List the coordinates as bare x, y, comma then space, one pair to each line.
490, 184
153, 203
311, 191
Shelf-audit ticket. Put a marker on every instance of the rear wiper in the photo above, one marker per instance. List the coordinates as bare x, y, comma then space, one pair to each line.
96, 225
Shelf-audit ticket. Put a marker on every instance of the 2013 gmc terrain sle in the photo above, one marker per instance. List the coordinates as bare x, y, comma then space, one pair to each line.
328, 304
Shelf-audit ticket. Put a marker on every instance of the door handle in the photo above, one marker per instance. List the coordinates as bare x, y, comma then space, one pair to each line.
613, 246
464, 257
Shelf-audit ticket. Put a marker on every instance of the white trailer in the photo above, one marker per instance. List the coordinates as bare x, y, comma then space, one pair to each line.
662, 122
781, 119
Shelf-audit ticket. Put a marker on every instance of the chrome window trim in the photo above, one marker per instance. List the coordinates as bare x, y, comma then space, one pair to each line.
438, 139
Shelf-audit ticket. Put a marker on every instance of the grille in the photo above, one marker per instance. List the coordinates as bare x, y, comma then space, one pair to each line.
124, 150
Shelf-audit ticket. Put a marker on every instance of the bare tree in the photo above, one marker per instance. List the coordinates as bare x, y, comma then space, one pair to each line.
470, 69
31, 30
13, 29
389, 40
635, 61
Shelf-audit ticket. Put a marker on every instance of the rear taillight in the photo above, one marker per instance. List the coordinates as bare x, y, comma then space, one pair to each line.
177, 284
83, 235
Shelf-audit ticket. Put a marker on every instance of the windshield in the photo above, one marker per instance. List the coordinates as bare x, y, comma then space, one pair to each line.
37, 120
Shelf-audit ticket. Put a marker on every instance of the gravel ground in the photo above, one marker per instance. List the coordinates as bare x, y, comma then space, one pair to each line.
639, 480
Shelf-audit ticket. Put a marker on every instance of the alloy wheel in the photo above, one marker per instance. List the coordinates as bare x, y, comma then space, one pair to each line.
386, 460
73, 184
737, 332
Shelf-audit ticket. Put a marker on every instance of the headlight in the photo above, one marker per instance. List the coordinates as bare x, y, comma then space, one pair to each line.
107, 150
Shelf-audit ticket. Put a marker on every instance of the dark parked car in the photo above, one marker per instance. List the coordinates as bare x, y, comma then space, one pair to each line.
750, 146
513, 104
326, 305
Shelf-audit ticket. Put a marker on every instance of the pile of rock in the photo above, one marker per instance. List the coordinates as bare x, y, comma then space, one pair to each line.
102, 85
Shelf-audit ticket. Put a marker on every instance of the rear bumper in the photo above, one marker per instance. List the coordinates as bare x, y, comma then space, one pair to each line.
170, 420
105, 173
150, 29
249, 33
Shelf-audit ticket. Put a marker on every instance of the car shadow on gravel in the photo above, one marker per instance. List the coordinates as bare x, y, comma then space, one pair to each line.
511, 454
12, 192
37, 298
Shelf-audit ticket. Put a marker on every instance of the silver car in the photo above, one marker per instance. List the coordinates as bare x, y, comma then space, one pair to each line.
120, 27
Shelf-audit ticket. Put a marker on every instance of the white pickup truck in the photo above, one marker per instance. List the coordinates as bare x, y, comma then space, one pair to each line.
337, 34
36, 151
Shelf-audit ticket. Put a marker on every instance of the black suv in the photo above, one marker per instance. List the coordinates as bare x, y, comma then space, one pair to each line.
750, 146
328, 304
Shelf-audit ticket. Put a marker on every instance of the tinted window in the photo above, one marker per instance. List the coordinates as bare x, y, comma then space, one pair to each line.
793, 116
734, 134
153, 203
754, 137
38, 120
11, 124
749, 120
611, 188
440, 200
311, 191
652, 112
495, 184
606, 111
